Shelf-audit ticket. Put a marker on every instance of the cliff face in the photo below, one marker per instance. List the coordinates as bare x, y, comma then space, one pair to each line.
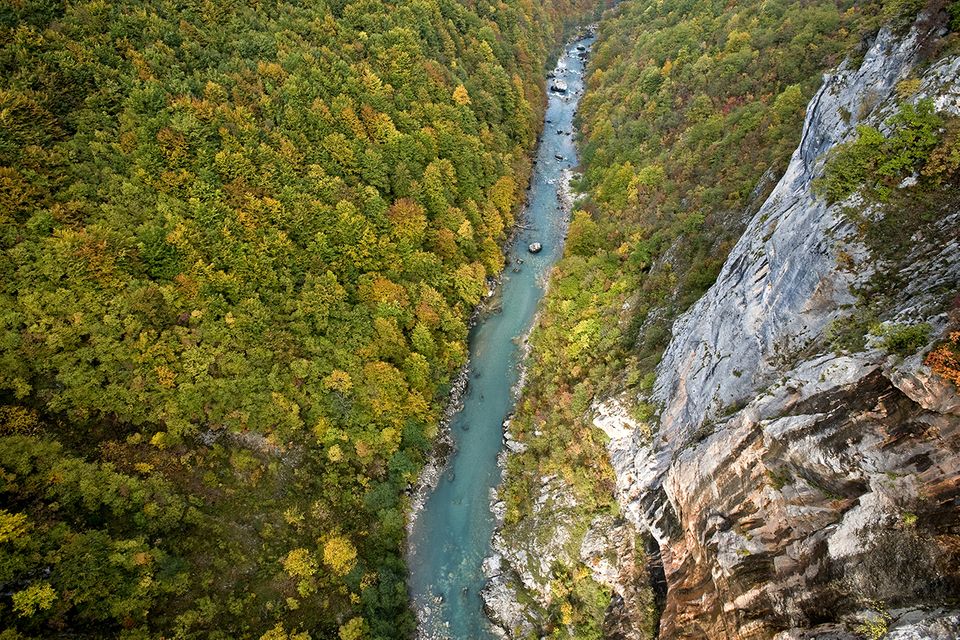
791, 487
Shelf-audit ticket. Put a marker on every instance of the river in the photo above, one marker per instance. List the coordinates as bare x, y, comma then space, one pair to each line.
452, 532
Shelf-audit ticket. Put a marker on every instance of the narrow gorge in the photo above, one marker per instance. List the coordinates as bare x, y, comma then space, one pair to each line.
790, 468
480, 319
452, 523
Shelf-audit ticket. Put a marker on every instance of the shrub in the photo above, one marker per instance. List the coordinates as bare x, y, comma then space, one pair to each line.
848, 333
879, 163
944, 360
904, 340
849, 164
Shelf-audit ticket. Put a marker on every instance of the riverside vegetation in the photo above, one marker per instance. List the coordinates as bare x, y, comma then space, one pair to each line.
241, 242
691, 113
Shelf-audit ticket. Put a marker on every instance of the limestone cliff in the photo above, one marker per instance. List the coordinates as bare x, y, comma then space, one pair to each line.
794, 490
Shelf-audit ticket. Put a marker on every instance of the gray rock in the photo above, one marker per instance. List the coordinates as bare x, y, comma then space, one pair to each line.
786, 484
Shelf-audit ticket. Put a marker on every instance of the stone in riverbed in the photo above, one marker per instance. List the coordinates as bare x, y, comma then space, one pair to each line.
535, 247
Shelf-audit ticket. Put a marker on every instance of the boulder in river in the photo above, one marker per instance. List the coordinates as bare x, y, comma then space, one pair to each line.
535, 247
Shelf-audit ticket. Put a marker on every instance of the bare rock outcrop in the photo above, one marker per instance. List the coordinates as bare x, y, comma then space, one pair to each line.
796, 492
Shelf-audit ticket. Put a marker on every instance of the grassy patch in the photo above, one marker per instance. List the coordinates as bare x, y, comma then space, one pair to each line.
778, 478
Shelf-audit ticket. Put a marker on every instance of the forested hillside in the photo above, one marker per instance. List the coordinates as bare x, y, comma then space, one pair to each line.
692, 111
241, 243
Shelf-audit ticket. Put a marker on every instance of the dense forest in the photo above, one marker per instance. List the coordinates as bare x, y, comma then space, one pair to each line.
691, 112
241, 242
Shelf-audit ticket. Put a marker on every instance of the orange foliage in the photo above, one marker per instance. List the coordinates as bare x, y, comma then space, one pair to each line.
429, 307
945, 359
383, 291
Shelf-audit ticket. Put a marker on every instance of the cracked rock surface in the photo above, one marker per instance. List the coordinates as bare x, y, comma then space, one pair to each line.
796, 492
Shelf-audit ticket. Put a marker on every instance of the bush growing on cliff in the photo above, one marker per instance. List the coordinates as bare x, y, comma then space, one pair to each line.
904, 340
849, 164
880, 162
945, 359
848, 333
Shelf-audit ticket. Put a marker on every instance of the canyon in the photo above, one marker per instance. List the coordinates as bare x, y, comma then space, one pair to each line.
787, 487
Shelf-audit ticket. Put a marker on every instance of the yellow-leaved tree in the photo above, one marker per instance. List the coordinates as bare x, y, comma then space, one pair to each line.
460, 95
340, 555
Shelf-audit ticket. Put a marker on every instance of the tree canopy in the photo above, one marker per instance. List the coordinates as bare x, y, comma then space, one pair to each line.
240, 244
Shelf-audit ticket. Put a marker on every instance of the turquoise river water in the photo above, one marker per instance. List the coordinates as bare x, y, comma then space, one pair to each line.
452, 533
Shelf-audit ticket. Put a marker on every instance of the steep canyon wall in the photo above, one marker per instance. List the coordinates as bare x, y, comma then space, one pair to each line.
790, 485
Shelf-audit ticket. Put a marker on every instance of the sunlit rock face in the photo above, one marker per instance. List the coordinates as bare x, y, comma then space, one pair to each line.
795, 492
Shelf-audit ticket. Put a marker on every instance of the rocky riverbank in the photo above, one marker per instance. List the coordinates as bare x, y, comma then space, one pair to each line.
522, 569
